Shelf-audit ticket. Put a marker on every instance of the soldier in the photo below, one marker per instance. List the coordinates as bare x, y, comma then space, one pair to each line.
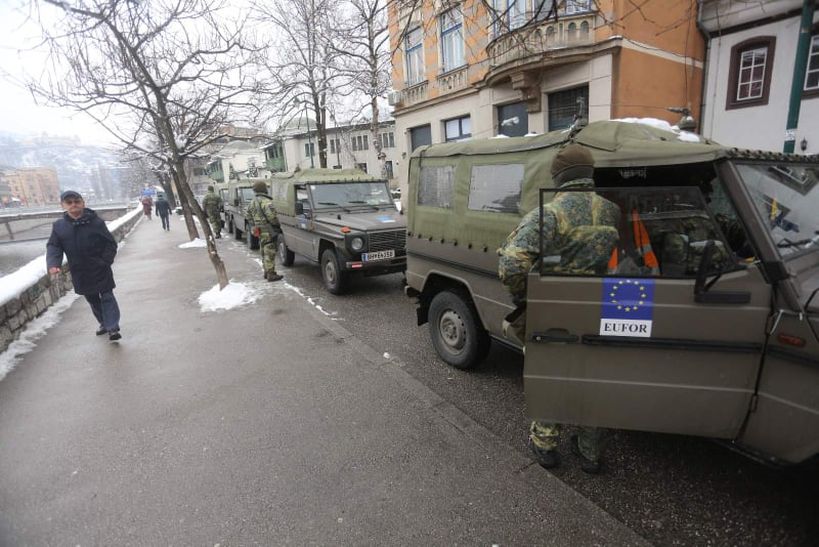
579, 234
266, 227
212, 204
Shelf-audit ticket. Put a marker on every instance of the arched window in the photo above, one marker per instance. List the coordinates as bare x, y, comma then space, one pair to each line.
572, 36
550, 36
584, 30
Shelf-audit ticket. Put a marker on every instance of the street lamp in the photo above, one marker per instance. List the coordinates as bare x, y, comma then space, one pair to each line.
298, 101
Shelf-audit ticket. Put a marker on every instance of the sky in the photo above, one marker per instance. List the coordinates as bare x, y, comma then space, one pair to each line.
19, 113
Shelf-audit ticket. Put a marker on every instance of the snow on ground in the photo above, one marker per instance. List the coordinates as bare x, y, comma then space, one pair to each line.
196, 243
685, 136
35, 330
232, 296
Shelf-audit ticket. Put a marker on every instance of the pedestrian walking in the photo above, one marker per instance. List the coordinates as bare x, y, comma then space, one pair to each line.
266, 227
581, 228
212, 205
84, 239
163, 211
147, 206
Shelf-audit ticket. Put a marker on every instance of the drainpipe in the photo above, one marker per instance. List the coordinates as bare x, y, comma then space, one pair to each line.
798, 82
705, 71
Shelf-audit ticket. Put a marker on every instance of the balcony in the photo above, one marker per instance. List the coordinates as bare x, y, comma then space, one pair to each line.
415, 94
453, 80
568, 31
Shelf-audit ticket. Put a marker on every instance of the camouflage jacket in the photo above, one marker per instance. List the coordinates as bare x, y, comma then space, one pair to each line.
212, 204
263, 215
579, 234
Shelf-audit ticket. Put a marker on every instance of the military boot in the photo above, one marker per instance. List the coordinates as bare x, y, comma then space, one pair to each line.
592, 467
548, 459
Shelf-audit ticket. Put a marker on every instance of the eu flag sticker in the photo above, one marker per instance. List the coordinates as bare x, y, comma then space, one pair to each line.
627, 307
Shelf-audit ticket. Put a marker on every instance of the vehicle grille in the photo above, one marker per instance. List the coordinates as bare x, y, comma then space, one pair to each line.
383, 241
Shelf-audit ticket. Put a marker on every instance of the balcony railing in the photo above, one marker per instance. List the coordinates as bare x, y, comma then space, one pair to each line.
415, 94
568, 31
453, 80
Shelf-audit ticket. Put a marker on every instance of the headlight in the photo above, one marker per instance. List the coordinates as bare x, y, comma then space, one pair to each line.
357, 244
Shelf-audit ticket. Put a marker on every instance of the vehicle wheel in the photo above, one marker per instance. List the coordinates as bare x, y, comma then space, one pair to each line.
229, 226
286, 256
456, 330
335, 279
252, 241
237, 233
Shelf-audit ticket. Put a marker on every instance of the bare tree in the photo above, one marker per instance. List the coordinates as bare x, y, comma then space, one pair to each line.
361, 41
162, 77
304, 70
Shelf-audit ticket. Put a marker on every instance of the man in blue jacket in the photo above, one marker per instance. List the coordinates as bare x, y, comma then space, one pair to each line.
90, 248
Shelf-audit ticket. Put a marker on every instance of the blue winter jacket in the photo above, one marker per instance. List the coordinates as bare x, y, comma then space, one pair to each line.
90, 249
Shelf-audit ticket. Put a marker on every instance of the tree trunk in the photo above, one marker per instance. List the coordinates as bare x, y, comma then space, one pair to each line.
187, 196
193, 233
375, 131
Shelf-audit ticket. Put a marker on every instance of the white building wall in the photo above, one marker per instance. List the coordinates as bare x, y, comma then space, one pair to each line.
758, 127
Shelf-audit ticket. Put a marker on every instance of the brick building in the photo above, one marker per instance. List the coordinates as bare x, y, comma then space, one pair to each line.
33, 186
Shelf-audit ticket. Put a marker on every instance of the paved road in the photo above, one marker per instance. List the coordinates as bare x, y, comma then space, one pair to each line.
671, 489
264, 425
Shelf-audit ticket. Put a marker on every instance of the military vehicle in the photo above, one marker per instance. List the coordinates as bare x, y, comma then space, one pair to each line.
239, 195
706, 318
221, 189
342, 219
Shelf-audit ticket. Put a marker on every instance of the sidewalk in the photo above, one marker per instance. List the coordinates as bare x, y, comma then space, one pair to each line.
266, 424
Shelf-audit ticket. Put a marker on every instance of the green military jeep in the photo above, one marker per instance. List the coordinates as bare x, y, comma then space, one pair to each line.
707, 320
239, 195
343, 219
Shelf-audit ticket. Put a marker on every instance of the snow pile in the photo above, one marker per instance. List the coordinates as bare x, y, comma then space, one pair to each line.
35, 330
196, 243
232, 296
685, 136
116, 223
310, 299
13, 284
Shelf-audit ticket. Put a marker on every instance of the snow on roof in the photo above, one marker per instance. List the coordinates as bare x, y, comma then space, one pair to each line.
685, 136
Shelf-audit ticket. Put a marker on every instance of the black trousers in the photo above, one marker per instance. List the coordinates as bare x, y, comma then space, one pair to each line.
105, 309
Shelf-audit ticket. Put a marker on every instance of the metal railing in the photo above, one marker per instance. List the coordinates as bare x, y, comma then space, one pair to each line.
568, 31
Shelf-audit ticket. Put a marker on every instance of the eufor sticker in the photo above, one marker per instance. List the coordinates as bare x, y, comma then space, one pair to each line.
627, 307
385, 219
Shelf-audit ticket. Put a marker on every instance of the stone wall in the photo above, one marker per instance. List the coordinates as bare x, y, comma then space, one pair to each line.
36, 299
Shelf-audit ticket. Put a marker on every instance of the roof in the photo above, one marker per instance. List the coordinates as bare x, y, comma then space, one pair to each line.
305, 176
614, 143
236, 147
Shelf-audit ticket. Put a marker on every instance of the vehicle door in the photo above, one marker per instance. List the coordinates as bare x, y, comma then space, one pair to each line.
299, 238
646, 344
784, 200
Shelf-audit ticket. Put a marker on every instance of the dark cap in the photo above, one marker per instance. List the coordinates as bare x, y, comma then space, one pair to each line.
571, 155
69, 194
260, 187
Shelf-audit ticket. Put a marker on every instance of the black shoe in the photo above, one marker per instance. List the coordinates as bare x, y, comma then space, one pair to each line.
548, 459
115, 335
101, 331
589, 466
274, 277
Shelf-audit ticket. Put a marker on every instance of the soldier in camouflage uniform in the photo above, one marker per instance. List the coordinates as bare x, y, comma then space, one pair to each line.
579, 234
266, 227
212, 205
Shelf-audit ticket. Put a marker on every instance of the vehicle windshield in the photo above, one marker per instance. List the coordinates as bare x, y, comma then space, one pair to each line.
350, 194
247, 194
787, 198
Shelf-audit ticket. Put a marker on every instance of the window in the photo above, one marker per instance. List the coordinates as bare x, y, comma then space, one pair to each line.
309, 149
496, 188
361, 166
508, 15
563, 105
361, 142
657, 232
436, 186
458, 128
812, 73
387, 140
513, 120
414, 53
750, 74
388, 169
366, 143
334, 146
543, 9
420, 136
452, 40
577, 6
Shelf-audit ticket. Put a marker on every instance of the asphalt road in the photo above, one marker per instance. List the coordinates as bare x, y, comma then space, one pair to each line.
672, 490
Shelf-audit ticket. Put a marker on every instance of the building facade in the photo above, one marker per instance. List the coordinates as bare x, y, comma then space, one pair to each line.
462, 70
750, 68
33, 186
348, 146
237, 160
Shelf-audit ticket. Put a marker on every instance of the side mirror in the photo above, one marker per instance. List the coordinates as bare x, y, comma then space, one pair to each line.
299, 208
702, 287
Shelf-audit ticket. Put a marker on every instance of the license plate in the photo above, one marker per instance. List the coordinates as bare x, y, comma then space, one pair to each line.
378, 255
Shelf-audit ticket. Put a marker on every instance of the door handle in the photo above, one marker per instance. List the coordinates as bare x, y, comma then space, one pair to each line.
555, 335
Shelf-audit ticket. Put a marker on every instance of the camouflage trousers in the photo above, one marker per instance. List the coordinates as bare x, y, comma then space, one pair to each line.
215, 225
546, 436
267, 246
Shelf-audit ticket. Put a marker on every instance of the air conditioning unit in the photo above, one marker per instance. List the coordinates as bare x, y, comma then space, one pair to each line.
394, 98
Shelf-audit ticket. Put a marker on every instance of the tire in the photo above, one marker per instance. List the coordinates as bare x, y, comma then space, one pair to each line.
252, 241
335, 279
237, 233
286, 256
456, 330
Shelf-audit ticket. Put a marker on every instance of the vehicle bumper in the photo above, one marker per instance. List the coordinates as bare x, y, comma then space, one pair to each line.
377, 267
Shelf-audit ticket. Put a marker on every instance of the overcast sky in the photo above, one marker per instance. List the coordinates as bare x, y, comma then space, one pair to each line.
19, 113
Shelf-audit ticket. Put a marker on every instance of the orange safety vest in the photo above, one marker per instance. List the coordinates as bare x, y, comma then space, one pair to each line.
642, 244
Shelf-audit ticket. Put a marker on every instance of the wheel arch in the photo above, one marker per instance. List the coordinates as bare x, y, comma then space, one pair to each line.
436, 282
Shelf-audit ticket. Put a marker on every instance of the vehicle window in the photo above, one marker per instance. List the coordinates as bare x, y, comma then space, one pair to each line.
279, 191
787, 200
496, 188
637, 232
350, 194
436, 186
247, 194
